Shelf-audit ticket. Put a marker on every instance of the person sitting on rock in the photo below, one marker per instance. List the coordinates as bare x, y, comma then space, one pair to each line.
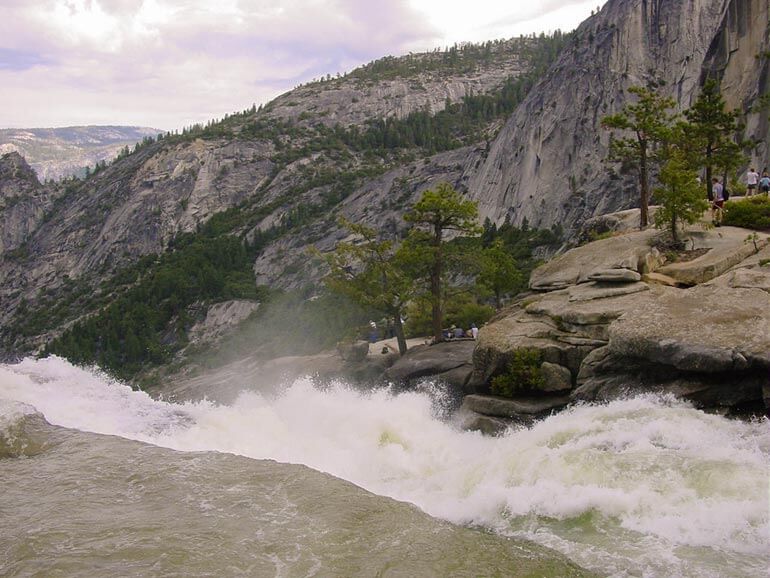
458, 332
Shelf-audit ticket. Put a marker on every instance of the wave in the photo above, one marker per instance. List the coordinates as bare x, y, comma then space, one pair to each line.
648, 481
22, 430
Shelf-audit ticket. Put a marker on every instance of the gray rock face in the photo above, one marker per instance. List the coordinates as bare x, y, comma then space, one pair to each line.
546, 165
23, 202
220, 318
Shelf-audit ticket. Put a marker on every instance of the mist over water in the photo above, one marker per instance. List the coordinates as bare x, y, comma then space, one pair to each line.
640, 487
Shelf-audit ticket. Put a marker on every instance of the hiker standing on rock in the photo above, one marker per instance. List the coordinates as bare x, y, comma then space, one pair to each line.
764, 183
752, 179
718, 203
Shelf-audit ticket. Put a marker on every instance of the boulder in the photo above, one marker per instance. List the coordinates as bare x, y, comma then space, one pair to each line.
510, 408
709, 343
424, 360
619, 222
494, 426
704, 328
728, 248
353, 351
558, 378
458, 378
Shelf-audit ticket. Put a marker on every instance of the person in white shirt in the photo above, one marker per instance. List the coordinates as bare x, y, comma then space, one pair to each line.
717, 203
752, 178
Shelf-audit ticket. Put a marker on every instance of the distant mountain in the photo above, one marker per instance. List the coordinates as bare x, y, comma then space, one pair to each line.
55, 153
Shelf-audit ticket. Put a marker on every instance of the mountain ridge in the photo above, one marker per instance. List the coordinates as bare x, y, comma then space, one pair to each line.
58, 152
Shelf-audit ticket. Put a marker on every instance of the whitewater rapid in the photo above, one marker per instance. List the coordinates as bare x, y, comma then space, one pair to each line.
641, 487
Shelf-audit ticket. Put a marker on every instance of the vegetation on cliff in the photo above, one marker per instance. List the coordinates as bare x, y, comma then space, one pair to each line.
672, 150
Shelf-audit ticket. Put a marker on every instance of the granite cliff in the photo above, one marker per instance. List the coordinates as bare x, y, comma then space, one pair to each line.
546, 165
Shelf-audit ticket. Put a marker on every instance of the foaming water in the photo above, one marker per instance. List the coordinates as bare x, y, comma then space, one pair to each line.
640, 487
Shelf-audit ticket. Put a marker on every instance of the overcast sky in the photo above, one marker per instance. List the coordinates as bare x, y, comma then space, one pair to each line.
170, 63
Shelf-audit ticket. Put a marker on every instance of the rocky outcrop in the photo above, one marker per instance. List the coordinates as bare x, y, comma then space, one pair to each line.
23, 202
603, 337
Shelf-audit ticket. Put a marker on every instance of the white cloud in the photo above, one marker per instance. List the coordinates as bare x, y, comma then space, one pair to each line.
168, 63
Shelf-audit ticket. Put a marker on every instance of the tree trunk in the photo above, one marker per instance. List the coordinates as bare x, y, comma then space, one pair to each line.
435, 286
644, 201
674, 234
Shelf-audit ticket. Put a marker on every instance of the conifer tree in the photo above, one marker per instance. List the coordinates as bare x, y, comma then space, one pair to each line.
649, 121
438, 212
368, 272
712, 129
498, 271
680, 197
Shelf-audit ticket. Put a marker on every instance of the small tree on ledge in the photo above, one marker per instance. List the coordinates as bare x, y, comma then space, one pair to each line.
648, 120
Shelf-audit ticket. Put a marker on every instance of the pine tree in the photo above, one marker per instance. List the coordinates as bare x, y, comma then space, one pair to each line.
436, 213
679, 195
648, 120
712, 130
368, 271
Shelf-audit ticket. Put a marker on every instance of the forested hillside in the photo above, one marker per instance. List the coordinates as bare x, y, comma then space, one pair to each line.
227, 207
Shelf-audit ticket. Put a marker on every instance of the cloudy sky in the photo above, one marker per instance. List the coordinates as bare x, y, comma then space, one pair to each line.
170, 63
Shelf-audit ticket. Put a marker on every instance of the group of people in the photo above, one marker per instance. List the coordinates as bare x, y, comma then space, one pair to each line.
754, 185
455, 332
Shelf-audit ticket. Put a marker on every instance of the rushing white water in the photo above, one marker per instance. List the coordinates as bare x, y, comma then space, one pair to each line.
640, 487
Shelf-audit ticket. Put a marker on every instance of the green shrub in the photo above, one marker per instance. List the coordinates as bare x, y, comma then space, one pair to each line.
523, 374
750, 213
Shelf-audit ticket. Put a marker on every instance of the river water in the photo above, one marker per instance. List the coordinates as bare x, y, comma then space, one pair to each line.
100, 480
